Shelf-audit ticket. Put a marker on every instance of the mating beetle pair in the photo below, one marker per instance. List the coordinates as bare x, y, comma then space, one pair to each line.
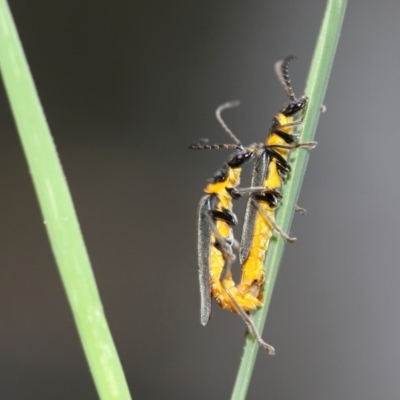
216, 218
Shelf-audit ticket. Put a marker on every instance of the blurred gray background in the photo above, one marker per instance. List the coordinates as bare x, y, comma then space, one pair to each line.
126, 86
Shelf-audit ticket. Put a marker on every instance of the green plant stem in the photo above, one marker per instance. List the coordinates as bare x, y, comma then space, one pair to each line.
59, 214
315, 89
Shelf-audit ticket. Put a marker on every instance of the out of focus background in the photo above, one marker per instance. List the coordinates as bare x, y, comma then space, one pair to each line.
126, 86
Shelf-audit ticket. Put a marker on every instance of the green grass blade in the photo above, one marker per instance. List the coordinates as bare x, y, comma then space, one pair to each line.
59, 214
315, 89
